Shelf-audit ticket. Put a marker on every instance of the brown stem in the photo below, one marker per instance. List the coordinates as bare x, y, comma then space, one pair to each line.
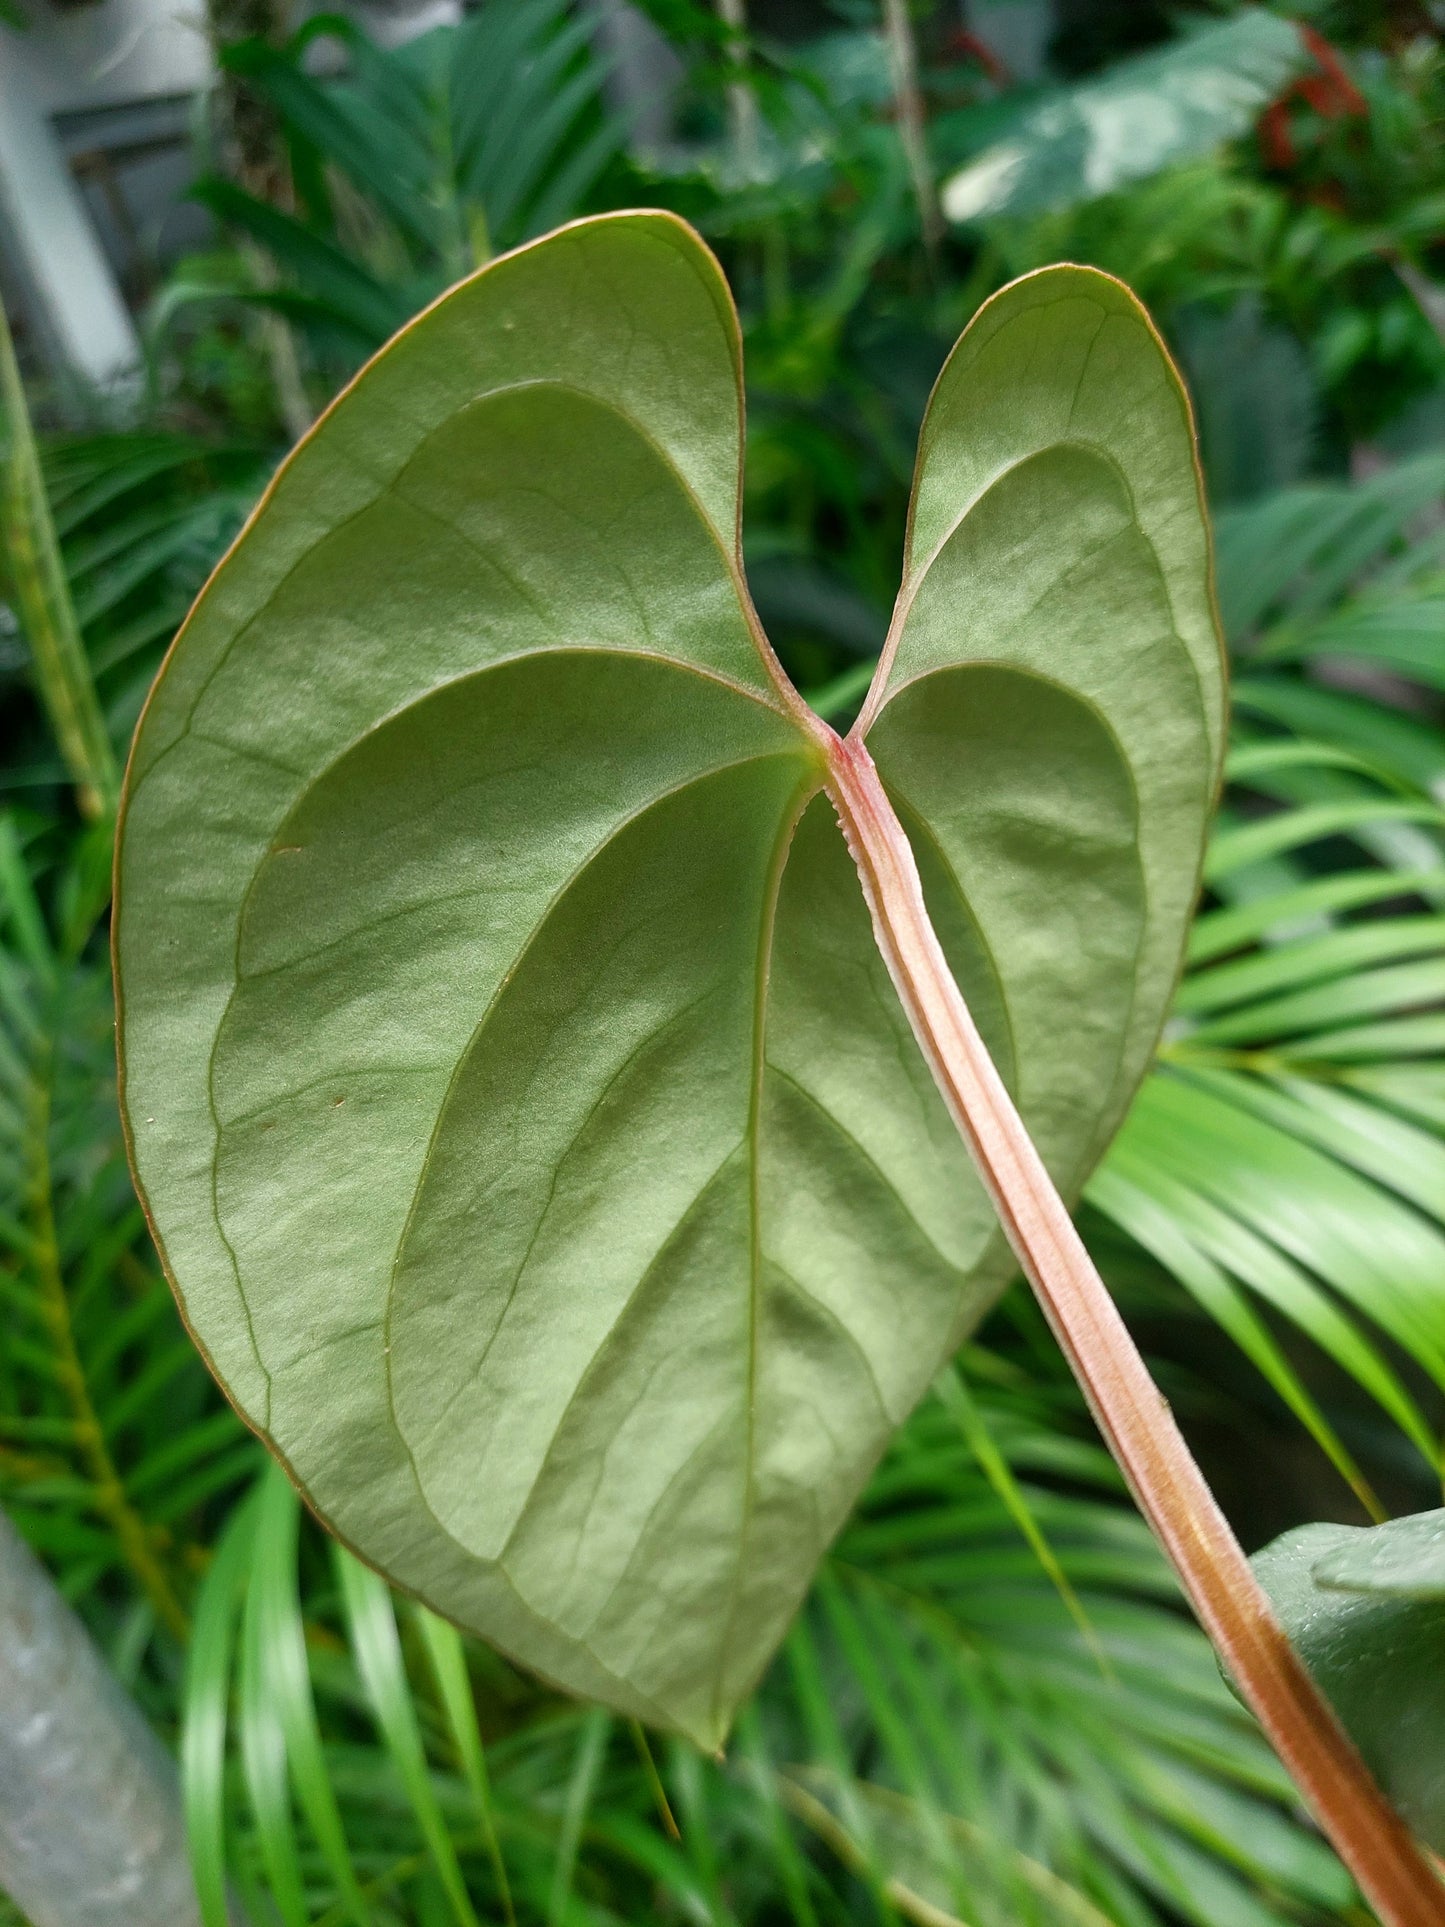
1131, 1414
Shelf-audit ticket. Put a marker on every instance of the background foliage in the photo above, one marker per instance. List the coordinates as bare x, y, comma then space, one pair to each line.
993, 1710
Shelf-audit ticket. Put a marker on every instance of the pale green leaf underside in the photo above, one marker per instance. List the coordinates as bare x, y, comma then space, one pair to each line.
527, 1120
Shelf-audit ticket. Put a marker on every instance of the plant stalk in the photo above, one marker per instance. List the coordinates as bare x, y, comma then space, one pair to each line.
742, 109
1131, 1413
38, 582
912, 118
279, 346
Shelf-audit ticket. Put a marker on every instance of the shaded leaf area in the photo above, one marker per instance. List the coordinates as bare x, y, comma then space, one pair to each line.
950, 1734
820, 238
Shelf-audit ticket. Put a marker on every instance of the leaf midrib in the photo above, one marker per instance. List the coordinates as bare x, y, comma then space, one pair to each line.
554, 902
761, 986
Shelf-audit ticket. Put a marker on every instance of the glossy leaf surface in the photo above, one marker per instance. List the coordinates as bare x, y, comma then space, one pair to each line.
1403, 1559
1375, 1645
528, 1122
1144, 114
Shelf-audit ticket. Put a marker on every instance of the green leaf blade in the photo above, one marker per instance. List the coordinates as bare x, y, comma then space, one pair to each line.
1057, 530
1378, 1653
524, 1110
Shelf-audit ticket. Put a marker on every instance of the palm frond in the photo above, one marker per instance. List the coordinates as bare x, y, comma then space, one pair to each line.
1298, 553
33, 573
1025, 1768
956, 1731
113, 1441
141, 518
415, 163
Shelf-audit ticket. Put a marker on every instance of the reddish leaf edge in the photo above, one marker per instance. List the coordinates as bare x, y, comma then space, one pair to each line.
1133, 1416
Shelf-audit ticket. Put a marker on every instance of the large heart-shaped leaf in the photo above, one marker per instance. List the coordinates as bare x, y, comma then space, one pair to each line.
527, 1120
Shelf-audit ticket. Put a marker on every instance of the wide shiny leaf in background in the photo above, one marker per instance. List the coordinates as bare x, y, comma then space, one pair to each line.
1403, 1559
1364, 1606
1154, 110
526, 1118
